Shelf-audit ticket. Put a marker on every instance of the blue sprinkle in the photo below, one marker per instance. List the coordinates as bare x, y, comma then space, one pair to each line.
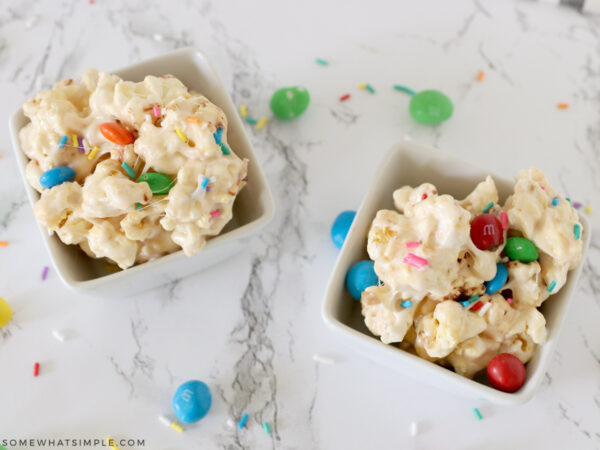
467, 302
243, 421
406, 304
552, 286
218, 135
63, 141
555, 201
250, 120
128, 169
488, 207
138, 206
205, 182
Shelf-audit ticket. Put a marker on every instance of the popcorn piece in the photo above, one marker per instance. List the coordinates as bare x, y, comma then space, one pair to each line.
484, 193
525, 282
384, 316
106, 241
56, 204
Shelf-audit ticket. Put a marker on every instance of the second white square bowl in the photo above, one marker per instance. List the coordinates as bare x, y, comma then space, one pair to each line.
409, 163
252, 210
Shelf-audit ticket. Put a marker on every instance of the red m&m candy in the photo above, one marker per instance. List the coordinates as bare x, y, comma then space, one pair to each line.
506, 372
486, 231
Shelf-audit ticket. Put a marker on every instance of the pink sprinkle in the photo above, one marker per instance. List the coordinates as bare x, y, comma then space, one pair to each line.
504, 219
411, 244
415, 261
156, 110
543, 188
44, 273
509, 301
215, 213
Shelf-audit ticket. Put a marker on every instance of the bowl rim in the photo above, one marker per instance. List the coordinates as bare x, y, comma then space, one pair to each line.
395, 357
187, 55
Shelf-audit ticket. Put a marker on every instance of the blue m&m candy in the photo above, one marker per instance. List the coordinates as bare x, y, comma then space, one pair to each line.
360, 276
56, 176
192, 401
496, 283
340, 227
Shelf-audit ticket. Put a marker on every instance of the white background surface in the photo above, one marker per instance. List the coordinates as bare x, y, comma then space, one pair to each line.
250, 326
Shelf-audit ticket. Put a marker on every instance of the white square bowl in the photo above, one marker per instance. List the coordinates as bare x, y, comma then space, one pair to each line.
252, 210
409, 163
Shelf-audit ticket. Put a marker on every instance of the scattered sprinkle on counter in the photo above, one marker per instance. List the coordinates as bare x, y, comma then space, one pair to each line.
362, 86
414, 429
36, 369
588, 209
243, 111
261, 123
480, 75
489, 206
369, 88
127, 168
577, 231
321, 62
243, 421
266, 427
168, 423
59, 336
552, 286
477, 414
401, 88
344, 97
562, 105
577, 205
45, 273
3, 243
250, 120
111, 443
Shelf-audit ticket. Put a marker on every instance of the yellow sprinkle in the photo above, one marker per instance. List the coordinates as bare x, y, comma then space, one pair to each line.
243, 110
588, 209
111, 443
181, 135
192, 119
93, 153
177, 427
75, 142
362, 86
261, 123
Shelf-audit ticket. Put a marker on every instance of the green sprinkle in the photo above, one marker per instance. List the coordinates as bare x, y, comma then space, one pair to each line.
224, 149
369, 88
321, 62
250, 120
467, 302
488, 207
404, 89
568, 199
552, 286
477, 414
267, 427
138, 206
127, 168
577, 231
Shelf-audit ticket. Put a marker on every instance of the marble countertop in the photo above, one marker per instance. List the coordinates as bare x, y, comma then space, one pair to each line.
249, 327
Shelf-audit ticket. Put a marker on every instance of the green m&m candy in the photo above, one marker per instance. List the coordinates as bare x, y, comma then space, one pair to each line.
430, 107
521, 249
289, 103
159, 183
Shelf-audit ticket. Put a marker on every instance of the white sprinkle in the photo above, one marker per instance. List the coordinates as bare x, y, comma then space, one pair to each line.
158, 37
414, 429
323, 359
166, 422
31, 21
59, 335
484, 308
230, 423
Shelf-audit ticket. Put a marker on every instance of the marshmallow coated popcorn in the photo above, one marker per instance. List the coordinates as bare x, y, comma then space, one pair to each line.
103, 210
437, 326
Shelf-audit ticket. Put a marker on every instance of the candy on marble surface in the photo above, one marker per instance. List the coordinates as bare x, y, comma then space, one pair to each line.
340, 227
430, 107
401, 88
290, 102
486, 231
360, 276
321, 62
477, 414
56, 176
261, 123
243, 421
6, 312
506, 372
521, 249
495, 284
116, 133
344, 97
36, 369
192, 401
160, 184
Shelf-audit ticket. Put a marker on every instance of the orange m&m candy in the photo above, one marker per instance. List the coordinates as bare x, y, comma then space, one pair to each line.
116, 133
